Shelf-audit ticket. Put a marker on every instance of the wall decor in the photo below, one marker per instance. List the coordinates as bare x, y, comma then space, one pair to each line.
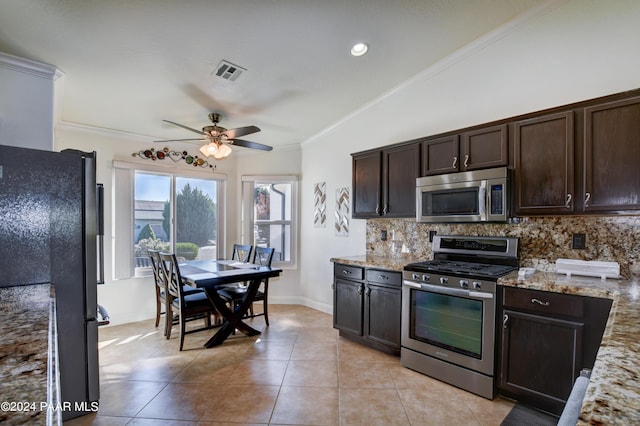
320, 205
175, 156
342, 212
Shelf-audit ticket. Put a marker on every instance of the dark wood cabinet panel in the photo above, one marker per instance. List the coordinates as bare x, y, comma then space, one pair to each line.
440, 155
484, 148
382, 314
368, 311
540, 358
612, 157
401, 167
348, 306
544, 165
384, 182
367, 181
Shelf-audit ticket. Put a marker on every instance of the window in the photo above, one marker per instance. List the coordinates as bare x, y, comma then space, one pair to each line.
176, 212
269, 213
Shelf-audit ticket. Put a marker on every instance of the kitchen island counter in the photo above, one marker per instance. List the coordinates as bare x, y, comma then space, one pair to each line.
613, 394
27, 355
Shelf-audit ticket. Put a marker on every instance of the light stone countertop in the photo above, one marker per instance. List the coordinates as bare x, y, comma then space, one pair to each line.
26, 375
613, 394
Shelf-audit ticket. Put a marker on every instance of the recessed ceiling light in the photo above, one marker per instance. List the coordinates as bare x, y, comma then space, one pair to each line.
359, 49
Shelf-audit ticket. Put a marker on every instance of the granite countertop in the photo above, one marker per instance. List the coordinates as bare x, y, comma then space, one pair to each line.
613, 394
380, 262
27, 326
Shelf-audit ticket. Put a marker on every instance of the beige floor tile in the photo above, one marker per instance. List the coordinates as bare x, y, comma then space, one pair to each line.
258, 372
242, 403
160, 422
371, 407
319, 351
95, 420
181, 401
351, 351
356, 374
127, 398
311, 373
273, 350
318, 334
434, 409
209, 369
485, 411
306, 406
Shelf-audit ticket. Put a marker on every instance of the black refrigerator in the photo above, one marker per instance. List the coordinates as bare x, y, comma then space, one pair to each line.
50, 216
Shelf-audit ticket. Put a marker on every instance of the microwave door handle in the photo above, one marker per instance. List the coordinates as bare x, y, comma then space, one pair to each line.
482, 201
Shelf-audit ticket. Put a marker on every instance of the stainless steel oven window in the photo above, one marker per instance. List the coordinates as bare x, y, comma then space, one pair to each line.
449, 322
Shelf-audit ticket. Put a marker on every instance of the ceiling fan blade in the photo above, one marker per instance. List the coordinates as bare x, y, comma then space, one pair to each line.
181, 140
249, 144
241, 131
184, 127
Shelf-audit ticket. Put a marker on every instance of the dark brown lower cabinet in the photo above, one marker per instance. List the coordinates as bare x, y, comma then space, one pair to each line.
367, 306
541, 357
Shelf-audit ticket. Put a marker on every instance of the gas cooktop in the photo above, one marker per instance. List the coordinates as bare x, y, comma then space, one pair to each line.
461, 268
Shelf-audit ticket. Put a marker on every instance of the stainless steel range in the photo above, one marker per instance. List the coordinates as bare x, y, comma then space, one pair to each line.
449, 310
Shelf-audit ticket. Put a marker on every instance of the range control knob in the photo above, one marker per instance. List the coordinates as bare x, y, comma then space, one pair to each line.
477, 284
444, 280
415, 276
426, 277
464, 283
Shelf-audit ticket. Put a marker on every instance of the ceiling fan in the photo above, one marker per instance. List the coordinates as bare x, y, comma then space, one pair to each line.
218, 138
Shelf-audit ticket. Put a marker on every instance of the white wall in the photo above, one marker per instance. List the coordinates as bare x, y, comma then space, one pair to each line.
26, 103
563, 52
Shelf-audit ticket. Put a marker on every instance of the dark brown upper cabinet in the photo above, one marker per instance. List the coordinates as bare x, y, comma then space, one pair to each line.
544, 160
611, 174
384, 182
472, 150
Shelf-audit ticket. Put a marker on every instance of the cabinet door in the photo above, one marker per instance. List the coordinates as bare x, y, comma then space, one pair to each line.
540, 358
382, 314
612, 157
544, 165
440, 155
484, 148
367, 181
348, 306
401, 167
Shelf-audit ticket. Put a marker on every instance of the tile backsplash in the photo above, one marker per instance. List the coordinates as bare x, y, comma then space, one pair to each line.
542, 239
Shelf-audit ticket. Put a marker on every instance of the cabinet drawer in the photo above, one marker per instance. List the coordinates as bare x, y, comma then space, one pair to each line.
384, 277
544, 302
349, 272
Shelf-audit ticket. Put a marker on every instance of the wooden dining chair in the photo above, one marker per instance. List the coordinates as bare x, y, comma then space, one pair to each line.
187, 307
241, 253
161, 295
262, 256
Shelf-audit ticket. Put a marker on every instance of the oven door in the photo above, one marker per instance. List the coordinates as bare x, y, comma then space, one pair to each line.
453, 325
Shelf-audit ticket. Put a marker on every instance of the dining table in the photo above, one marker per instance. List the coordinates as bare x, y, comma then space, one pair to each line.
210, 275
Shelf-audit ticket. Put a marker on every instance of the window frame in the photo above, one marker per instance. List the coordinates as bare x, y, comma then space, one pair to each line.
123, 192
249, 221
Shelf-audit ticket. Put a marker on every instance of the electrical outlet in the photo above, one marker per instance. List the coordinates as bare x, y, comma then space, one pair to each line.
431, 235
383, 235
578, 241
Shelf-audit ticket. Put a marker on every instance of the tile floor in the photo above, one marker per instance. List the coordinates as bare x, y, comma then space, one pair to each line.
297, 372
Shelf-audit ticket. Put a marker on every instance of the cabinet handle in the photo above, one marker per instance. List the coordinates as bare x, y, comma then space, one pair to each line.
587, 197
385, 210
344, 271
505, 320
455, 162
466, 161
368, 291
378, 209
360, 289
383, 277
568, 203
539, 302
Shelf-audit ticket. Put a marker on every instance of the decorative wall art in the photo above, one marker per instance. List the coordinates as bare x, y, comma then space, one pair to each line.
175, 156
320, 205
342, 212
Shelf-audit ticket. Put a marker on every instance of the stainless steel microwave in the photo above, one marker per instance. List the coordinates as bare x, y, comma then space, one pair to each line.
475, 196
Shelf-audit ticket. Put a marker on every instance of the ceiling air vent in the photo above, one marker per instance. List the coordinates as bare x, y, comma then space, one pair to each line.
229, 71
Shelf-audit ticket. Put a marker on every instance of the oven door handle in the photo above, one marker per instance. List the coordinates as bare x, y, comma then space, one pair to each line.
449, 291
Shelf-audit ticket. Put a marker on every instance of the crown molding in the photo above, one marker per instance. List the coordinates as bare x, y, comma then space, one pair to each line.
27, 66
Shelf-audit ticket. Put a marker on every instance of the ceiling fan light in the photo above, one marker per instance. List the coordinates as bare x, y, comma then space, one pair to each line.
212, 148
223, 152
204, 151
